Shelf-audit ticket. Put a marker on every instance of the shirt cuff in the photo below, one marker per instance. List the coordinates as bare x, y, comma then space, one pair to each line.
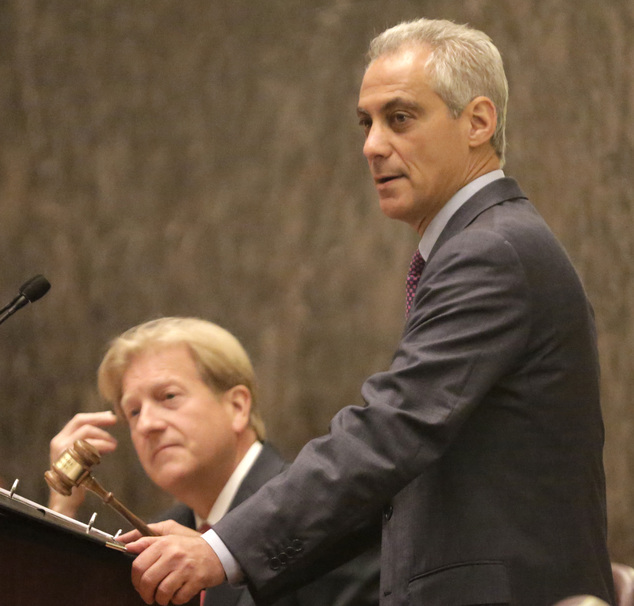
234, 573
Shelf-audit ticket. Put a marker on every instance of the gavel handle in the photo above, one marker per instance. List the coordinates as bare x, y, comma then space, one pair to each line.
107, 497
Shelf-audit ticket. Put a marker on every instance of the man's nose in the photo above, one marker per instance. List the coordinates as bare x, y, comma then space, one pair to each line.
149, 419
376, 143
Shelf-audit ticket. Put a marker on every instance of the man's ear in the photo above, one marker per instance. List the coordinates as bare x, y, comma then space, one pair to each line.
239, 398
482, 120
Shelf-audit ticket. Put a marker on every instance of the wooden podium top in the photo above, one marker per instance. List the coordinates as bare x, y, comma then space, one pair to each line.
48, 559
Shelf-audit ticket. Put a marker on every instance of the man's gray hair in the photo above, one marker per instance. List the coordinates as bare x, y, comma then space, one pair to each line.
464, 64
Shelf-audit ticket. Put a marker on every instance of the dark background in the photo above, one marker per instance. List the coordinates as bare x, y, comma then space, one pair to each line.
203, 158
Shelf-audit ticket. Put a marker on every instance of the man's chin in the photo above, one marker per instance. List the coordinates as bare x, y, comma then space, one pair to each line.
169, 473
170, 480
395, 208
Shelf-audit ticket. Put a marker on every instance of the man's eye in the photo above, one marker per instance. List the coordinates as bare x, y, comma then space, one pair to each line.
365, 124
399, 118
131, 413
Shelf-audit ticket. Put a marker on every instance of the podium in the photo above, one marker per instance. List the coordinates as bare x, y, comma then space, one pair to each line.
47, 559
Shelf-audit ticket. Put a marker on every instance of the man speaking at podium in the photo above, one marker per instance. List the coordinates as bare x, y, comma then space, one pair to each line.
186, 388
483, 441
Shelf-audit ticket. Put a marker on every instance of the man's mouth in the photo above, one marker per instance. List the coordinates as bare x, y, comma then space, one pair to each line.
162, 448
386, 179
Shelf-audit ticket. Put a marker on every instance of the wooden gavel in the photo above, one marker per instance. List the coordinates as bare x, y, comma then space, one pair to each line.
72, 468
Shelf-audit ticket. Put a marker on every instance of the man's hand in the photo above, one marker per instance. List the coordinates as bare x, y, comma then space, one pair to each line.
83, 426
173, 567
162, 528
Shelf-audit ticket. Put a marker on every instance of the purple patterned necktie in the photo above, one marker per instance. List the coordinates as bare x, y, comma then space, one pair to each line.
413, 276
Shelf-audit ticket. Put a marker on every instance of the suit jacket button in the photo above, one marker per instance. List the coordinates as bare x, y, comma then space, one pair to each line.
297, 545
275, 564
283, 559
387, 512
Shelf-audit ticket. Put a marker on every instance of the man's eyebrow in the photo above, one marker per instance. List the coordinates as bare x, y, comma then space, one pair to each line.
398, 102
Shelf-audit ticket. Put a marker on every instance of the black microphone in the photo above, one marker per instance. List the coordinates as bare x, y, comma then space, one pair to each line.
30, 291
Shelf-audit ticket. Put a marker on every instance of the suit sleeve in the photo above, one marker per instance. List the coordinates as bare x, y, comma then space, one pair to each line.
468, 327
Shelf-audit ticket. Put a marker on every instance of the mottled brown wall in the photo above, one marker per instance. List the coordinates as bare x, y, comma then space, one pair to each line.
203, 158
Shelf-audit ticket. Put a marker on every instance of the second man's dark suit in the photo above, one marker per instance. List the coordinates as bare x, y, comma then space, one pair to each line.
355, 583
482, 442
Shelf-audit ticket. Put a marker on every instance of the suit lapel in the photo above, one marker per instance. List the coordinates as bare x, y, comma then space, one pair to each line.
266, 466
179, 513
502, 190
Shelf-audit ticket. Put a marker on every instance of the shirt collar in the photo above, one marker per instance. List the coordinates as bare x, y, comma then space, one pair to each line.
227, 494
439, 222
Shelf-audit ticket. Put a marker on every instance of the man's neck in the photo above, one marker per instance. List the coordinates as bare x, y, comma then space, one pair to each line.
224, 500
436, 226
201, 491
480, 164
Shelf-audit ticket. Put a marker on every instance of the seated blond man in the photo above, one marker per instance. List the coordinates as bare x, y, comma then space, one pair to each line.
186, 388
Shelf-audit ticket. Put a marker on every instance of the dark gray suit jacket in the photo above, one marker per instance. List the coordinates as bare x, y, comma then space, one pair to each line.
355, 583
483, 441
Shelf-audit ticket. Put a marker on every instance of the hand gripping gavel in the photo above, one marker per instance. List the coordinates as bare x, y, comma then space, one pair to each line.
72, 468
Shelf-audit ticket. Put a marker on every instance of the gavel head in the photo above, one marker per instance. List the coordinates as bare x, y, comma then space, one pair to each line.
72, 467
